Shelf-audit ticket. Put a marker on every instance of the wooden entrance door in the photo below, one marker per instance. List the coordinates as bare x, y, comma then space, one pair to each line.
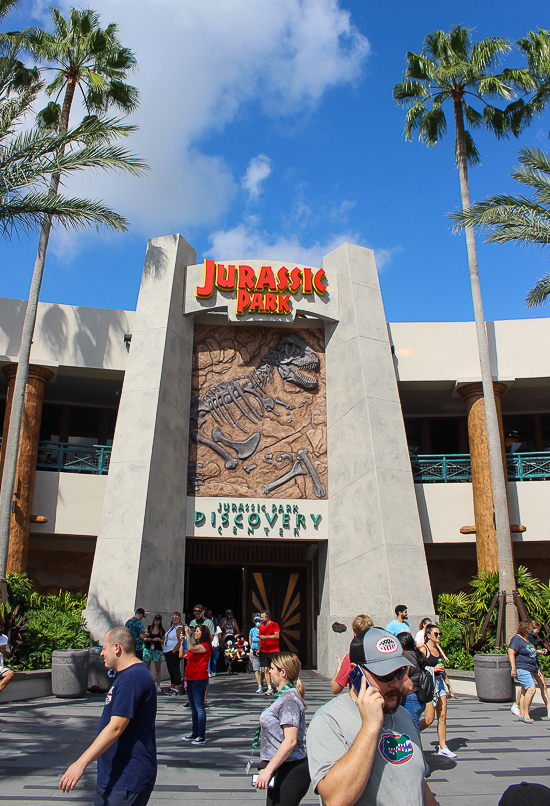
283, 592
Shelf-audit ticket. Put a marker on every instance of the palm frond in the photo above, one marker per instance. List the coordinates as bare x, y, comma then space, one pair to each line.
496, 121
473, 157
540, 292
26, 213
409, 91
485, 54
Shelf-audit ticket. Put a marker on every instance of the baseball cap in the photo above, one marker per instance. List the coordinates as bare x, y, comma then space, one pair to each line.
140, 610
158, 617
378, 650
525, 794
198, 607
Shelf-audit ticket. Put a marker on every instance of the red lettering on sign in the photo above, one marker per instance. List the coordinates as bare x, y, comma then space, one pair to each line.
257, 303
208, 287
270, 303
317, 284
225, 281
243, 301
295, 280
282, 278
306, 281
247, 278
282, 303
266, 277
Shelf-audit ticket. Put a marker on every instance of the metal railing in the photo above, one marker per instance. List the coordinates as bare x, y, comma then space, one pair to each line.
68, 457
448, 468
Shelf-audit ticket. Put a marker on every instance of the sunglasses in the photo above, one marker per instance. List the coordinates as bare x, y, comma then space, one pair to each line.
436, 634
387, 678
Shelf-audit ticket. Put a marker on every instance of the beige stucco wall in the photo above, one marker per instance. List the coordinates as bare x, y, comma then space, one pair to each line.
444, 508
67, 335
438, 351
72, 502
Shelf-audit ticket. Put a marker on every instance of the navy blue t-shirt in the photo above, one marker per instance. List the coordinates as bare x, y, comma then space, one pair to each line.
131, 762
526, 654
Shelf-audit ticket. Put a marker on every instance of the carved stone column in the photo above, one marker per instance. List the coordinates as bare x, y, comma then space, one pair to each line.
486, 535
26, 460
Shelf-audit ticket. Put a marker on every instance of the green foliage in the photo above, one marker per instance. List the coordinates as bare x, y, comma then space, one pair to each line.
19, 590
50, 622
461, 615
452, 643
49, 629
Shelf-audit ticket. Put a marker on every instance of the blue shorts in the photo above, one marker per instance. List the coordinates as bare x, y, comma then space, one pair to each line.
525, 678
110, 797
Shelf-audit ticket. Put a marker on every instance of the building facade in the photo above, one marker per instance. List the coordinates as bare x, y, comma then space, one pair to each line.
257, 436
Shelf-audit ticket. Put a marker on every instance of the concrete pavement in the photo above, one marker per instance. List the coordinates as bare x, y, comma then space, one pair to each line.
39, 739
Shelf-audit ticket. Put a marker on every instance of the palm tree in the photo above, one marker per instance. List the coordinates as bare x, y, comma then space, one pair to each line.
29, 159
536, 49
519, 219
452, 68
82, 55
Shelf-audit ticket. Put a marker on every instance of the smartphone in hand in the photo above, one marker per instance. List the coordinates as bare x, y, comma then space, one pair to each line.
355, 677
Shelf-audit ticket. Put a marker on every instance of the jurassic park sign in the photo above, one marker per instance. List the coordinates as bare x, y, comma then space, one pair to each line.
268, 291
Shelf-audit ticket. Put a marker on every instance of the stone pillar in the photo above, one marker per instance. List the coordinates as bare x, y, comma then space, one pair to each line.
26, 461
486, 535
375, 556
140, 550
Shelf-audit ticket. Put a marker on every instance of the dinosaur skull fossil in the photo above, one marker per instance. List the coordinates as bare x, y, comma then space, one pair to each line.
292, 358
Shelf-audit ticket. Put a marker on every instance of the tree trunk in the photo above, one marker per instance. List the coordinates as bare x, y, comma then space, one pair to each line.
500, 499
12, 447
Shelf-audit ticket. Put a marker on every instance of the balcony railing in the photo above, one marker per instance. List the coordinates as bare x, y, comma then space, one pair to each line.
69, 457
455, 467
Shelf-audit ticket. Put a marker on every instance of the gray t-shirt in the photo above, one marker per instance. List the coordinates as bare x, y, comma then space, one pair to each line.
287, 709
397, 774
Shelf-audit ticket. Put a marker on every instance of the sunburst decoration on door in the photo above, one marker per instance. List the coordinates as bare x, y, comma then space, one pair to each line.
290, 613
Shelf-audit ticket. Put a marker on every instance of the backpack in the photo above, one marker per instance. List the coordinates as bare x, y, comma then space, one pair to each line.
426, 686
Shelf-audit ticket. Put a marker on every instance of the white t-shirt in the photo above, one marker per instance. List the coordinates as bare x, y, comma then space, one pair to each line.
420, 637
216, 638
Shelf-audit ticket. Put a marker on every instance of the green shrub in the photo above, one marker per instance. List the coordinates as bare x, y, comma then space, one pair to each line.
53, 622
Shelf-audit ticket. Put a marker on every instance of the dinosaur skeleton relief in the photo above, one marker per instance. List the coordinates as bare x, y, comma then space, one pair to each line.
229, 417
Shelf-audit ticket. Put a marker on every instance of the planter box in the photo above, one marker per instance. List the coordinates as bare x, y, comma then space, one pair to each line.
494, 682
28, 686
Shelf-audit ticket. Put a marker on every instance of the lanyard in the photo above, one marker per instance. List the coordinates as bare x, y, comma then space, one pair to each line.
256, 740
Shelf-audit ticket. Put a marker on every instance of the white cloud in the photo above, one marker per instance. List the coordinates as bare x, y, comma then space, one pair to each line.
200, 62
248, 241
258, 169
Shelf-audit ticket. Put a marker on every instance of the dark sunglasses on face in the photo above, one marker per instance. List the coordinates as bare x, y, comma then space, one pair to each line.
387, 678
436, 634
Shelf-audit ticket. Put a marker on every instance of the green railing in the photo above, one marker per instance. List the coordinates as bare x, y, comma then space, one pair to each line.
72, 458
455, 467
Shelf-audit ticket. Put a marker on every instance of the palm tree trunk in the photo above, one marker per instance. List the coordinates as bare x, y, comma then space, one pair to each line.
500, 499
12, 446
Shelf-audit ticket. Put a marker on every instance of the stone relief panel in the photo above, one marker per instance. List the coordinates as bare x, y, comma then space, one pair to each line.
258, 413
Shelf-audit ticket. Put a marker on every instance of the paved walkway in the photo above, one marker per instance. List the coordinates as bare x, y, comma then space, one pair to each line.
39, 739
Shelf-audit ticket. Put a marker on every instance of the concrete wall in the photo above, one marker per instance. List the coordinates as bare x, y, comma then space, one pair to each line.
67, 335
444, 508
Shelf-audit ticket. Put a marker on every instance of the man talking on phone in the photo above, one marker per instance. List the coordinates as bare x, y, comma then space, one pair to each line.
363, 747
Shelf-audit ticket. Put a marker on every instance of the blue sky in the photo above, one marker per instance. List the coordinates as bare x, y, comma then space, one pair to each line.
271, 133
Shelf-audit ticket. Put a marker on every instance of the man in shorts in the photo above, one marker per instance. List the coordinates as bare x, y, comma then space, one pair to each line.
363, 747
253, 640
268, 645
125, 745
136, 628
6, 675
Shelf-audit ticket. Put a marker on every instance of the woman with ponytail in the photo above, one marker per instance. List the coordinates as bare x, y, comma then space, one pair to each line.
283, 760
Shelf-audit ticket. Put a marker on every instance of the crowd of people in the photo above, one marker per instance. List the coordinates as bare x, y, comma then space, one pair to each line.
361, 747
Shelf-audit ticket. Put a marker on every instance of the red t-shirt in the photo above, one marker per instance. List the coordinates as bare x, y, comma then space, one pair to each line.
342, 678
269, 644
197, 663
